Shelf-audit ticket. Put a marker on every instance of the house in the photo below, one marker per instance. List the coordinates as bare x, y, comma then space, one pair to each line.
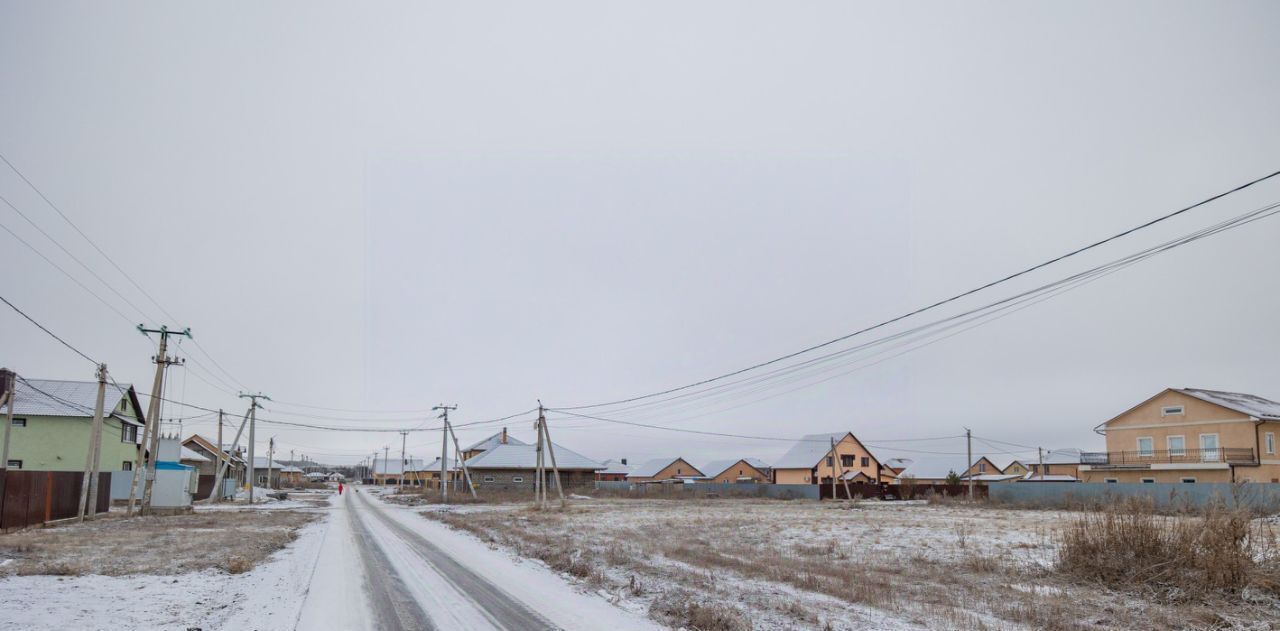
665, 469
513, 466
810, 460
742, 470
1184, 435
982, 466
480, 446
214, 455
896, 465
390, 471
996, 477
1057, 462
290, 476
53, 422
1015, 468
429, 475
933, 469
614, 471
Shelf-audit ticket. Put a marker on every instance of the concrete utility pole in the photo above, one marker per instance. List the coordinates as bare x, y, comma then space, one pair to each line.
1041, 450
457, 454
93, 459
539, 483
386, 462
444, 451
271, 456
839, 468
151, 422
218, 455
968, 441
253, 418
229, 452
551, 450
9, 395
404, 463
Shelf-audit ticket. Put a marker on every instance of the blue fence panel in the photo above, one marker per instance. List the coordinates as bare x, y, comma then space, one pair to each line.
1264, 497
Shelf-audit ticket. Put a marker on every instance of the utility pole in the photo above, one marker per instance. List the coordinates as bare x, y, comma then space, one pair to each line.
546, 433
444, 450
271, 456
968, 441
404, 464
229, 452
93, 459
1041, 450
253, 421
539, 484
457, 454
9, 395
151, 423
217, 491
838, 467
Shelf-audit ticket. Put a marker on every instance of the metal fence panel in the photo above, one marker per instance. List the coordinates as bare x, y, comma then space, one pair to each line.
1165, 495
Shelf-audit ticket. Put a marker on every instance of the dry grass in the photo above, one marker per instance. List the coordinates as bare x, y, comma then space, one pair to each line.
233, 541
809, 565
1128, 546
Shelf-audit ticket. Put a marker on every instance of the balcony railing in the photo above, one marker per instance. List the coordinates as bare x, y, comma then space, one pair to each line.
1227, 455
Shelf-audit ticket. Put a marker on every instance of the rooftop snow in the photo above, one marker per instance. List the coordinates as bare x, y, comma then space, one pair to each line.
615, 467
808, 451
187, 454
512, 456
493, 441
1250, 404
716, 467
651, 468
383, 467
55, 397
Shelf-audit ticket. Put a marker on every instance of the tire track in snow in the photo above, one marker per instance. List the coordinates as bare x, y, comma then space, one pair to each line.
392, 603
503, 609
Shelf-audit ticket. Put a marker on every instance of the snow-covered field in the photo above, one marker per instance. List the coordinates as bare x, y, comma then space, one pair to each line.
762, 564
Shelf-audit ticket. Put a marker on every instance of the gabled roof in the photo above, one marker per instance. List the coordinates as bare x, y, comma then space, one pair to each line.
207, 445
511, 456
434, 465
615, 467
1250, 404
56, 397
493, 441
187, 454
397, 466
650, 468
995, 477
807, 452
1013, 462
290, 469
898, 463
935, 467
716, 467
1051, 477
260, 462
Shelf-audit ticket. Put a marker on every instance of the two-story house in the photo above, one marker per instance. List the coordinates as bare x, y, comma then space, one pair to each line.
811, 460
53, 422
1189, 435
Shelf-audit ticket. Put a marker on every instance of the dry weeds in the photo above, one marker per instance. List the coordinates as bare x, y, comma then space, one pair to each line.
233, 541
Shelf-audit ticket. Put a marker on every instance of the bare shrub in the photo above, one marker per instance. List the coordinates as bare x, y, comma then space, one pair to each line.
237, 564
679, 610
1219, 549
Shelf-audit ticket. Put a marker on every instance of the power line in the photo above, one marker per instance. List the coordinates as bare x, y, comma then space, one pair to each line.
50, 333
934, 305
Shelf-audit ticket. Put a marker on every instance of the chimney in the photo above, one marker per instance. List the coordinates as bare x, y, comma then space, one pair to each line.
624, 461
503, 440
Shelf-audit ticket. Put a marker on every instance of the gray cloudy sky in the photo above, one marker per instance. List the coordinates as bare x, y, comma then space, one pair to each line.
394, 205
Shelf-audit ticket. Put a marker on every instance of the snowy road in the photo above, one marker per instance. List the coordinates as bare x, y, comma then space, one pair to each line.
384, 567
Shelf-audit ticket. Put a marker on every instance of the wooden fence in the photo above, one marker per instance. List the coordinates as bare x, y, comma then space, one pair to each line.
31, 498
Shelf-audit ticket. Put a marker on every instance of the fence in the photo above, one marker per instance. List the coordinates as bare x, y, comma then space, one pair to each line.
722, 489
31, 498
205, 487
899, 491
1263, 497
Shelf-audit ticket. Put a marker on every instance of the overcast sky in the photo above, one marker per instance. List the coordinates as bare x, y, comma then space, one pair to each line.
390, 206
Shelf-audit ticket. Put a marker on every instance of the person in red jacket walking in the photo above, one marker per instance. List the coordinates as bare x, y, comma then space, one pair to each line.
339, 488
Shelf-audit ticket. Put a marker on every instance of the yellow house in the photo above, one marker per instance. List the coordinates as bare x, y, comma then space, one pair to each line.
1189, 435
810, 460
749, 470
660, 469
1015, 468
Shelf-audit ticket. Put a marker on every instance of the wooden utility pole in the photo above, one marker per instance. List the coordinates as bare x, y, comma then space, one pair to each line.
838, 468
444, 450
144, 464
253, 421
9, 384
546, 433
93, 459
229, 452
968, 441
457, 454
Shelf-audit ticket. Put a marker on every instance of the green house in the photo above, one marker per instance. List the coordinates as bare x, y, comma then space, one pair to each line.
53, 420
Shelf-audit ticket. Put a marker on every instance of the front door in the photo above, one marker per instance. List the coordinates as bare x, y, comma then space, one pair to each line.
1209, 448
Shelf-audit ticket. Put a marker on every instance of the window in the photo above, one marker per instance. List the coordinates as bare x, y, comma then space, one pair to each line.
1111, 481
19, 422
982, 467
1270, 442
829, 461
1148, 480
866, 462
488, 478
1209, 447
127, 465
15, 464
1146, 446
1172, 410
129, 434
1188, 480
679, 471
517, 479
847, 461
1177, 445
